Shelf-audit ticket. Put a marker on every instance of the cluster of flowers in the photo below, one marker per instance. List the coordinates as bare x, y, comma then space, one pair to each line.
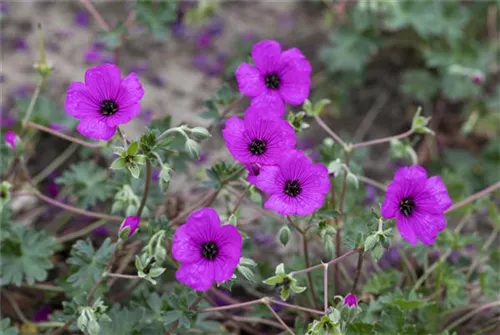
264, 142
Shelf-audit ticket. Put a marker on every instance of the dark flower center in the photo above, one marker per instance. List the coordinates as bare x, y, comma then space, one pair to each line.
292, 188
257, 147
108, 107
273, 81
407, 206
209, 250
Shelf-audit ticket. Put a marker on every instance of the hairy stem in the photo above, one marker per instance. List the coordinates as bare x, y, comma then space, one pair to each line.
81, 232
330, 132
361, 254
37, 126
280, 320
147, 185
333, 261
325, 287
382, 140
474, 197
471, 314
70, 150
305, 248
33, 100
119, 275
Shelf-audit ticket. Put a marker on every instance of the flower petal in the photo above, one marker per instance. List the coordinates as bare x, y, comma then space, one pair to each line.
236, 139
250, 80
405, 227
184, 248
103, 81
272, 101
80, 102
199, 276
295, 89
96, 128
203, 225
438, 189
266, 56
296, 57
427, 226
269, 179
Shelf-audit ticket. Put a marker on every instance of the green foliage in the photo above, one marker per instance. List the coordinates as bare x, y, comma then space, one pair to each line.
420, 84
222, 173
46, 111
25, 252
285, 282
156, 16
6, 329
88, 264
88, 182
382, 282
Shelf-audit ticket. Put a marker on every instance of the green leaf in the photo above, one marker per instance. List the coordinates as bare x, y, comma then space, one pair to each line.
88, 182
88, 264
246, 272
134, 170
420, 84
132, 148
171, 316
382, 282
6, 329
25, 252
118, 164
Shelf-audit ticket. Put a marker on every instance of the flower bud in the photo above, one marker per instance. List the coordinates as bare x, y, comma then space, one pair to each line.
284, 235
193, 149
200, 133
129, 226
350, 301
12, 139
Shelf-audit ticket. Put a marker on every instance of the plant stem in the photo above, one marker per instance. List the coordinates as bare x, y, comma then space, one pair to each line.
308, 265
81, 232
233, 306
257, 320
475, 262
45, 287
471, 314
333, 261
474, 197
33, 100
119, 275
146, 188
280, 320
382, 140
361, 254
330, 132
325, 287
441, 259
206, 198
37, 126
372, 182
300, 308
240, 199
70, 150
95, 13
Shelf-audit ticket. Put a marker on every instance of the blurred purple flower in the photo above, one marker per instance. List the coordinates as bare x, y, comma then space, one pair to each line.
58, 126
264, 239
92, 55
203, 41
215, 26
477, 78
391, 257
178, 29
203, 158
4, 8
2, 78
371, 194
22, 91
11, 139
63, 34
6, 120
52, 189
157, 81
156, 174
21, 44
146, 116
101, 231
82, 18
139, 68
42, 314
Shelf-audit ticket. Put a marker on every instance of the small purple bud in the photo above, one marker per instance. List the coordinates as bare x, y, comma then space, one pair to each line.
477, 78
129, 226
350, 301
42, 314
11, 138
82, 18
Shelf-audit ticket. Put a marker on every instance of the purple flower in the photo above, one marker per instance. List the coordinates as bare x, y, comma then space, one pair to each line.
21, 45
350, 301
297, 186
42, 314
11, 138
371, 194
208, 251
82, 18
203, 41
104, 101
156, 175
131, 223
477, 78
259, 138
92, 55
277, 77
253, 172
101, 231
52, 189
417, 203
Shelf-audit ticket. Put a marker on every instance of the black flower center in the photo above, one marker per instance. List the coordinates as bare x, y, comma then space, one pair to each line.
273, 81
108, 107
257, 147
292, 188
407, 206
209, 250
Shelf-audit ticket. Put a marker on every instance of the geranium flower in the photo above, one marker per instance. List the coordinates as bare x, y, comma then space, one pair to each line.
11, 139
104, 101
276, 78
258, 138
131, 223
296, 185
417, 203
208, 251
350, 301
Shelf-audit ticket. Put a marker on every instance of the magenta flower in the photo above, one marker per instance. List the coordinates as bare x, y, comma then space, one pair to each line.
417, 204
259, 138
296, 185
11, 139
104, 101
208, 251
131, 223
276, 78
350, 301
